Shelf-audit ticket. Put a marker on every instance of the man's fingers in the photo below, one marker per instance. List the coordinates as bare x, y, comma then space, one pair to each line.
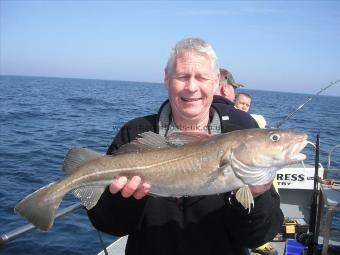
131, 186
142, 191
128, 188
118, 184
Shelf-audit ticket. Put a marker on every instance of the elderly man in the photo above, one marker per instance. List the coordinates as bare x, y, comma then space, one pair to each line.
214, 224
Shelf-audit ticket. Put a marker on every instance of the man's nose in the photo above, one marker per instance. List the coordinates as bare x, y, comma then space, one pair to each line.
192, 84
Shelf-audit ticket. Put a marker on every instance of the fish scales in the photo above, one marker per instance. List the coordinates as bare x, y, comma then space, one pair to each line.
177, 167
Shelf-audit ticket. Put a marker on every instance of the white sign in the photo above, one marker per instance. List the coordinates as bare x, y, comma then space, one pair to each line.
297, 178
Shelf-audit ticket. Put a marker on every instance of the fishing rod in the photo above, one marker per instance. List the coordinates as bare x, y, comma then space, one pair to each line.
314, 207
309, 99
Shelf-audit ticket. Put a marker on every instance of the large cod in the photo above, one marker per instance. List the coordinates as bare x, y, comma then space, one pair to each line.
180, 165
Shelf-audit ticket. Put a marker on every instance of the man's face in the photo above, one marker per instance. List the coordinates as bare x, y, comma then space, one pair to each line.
243, 103
191, 85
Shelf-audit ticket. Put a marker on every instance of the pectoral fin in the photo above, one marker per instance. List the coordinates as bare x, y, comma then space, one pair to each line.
89, 195
245, 197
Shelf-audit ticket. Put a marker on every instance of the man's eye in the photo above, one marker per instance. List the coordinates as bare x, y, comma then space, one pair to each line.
182, 77
202, 79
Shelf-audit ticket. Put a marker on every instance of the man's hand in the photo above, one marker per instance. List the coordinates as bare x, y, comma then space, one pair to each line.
257, 190
135, 187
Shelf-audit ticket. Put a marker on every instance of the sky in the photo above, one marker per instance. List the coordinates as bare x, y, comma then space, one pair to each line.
291, 46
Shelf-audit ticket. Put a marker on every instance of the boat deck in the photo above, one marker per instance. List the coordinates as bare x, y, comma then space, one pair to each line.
118, 247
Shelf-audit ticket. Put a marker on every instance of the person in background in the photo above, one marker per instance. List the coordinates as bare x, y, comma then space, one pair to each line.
223, 101
242, 102
227, 85
187, 225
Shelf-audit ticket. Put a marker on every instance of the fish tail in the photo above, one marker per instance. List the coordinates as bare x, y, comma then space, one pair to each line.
40, 207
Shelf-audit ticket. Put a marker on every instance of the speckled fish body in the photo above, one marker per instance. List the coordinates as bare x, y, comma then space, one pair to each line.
212, 165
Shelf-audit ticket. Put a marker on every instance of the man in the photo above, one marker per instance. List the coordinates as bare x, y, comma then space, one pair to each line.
231, 118
243, 101
227, 85
214, 224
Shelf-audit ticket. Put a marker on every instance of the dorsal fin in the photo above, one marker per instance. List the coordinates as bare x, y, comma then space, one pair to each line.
152, 141
146, 141
181, 138
78, 156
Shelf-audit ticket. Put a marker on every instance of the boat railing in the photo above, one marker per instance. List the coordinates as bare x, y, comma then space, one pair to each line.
332, 170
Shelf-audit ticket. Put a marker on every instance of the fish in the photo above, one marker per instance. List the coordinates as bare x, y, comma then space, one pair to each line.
175, 166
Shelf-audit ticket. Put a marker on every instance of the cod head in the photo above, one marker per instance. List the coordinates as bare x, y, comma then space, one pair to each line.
259, 153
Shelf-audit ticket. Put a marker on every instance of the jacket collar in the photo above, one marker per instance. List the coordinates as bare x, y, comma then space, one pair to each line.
222, 100
165, 119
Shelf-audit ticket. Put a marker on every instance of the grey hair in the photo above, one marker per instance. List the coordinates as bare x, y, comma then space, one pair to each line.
196, 44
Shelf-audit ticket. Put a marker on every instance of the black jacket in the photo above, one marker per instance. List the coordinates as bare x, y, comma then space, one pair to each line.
213, 224
232, 118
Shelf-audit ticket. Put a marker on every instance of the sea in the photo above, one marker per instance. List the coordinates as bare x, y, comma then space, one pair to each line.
41, 118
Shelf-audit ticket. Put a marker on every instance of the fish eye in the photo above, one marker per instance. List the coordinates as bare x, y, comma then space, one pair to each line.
275, 137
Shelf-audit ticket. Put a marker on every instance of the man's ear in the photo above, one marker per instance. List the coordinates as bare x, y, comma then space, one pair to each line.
166, 80
224, 90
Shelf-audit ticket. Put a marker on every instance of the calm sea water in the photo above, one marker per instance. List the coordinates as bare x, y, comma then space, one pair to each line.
42, 117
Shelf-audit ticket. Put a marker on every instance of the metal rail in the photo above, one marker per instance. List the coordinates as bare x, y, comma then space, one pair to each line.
5, 238
330, 155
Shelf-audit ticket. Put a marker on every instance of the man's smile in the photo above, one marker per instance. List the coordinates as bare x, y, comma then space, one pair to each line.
185, 99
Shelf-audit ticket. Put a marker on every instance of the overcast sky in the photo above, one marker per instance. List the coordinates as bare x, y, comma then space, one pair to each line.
268, 45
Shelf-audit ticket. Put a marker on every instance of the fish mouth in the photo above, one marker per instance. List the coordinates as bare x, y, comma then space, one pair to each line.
295, 154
